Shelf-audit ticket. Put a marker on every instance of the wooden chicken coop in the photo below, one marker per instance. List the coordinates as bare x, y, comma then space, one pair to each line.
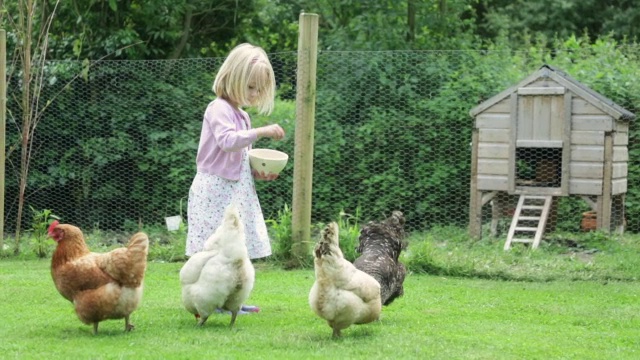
546, 137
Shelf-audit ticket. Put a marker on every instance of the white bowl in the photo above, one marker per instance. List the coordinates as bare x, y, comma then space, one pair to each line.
267, 160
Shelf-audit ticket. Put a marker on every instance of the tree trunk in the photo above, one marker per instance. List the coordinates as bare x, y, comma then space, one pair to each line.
27, 10
411, 20
186, 32
442, 6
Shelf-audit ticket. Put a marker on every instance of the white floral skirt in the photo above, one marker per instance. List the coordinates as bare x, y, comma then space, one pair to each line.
209, 195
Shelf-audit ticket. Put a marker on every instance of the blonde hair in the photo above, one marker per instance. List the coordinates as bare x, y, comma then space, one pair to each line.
246, 64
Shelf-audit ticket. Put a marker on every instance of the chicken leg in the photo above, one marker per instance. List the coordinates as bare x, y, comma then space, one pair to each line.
127, 325
234, 314
202, 320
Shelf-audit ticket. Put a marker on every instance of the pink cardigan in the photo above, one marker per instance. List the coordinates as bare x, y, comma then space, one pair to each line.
226, 131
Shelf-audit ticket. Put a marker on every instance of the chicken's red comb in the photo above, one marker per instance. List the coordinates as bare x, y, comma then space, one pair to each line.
53, 226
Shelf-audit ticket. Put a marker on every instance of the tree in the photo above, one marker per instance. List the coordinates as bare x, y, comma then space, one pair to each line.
561, 19
32, 34
368, 25
164, 29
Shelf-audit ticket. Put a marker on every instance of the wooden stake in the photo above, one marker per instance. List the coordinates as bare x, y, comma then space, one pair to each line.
304, 135
3, 121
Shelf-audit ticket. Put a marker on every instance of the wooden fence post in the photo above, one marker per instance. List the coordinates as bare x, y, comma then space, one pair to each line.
3, 121
303, 149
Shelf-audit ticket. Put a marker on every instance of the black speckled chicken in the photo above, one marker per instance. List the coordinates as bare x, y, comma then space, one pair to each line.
379, 249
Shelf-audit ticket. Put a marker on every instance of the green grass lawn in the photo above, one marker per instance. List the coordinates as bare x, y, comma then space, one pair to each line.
438, 318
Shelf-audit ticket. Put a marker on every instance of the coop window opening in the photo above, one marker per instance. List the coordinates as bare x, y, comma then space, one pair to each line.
538, 167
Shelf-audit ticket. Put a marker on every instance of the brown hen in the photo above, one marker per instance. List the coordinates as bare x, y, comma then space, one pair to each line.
101, 286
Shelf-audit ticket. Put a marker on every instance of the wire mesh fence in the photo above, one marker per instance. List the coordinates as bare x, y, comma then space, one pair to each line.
116, 141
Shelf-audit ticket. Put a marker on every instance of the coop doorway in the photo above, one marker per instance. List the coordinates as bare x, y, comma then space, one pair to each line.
538, 167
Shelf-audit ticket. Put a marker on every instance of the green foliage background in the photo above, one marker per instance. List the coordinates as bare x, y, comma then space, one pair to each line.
392, 124
392, 131
409, 112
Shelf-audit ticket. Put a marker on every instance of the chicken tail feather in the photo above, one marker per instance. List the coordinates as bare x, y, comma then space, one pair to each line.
138, 246
232, 216
127, 266
138, 249
328, 241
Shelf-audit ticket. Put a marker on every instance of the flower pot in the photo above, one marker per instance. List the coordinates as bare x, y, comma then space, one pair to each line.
589, 221
173, 222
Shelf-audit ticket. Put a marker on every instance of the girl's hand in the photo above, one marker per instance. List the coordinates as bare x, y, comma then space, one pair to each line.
261, 175
273, 131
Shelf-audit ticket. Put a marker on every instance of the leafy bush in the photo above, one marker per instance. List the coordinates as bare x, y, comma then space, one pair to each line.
282, 241
280, 234
392, 131
275, 195
442, 251
349, 233
41, 220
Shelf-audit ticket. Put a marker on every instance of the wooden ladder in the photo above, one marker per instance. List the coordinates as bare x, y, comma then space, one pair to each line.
530, 217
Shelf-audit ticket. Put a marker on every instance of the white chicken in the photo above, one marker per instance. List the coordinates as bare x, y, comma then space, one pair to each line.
341, 294
220, 276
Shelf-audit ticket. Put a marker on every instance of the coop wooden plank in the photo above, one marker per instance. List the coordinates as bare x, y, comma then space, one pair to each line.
566, 141
530, 90
587, 170
622, 126
592, 122
587, 153
620, 138
486, 197
585, 186
525, 117
475, 205
493, 121
492, 182
619, 186
587, 137
582, 107
522, 240
493, 167
530, 218
540, 143
620, 153
557, 116
541, 126
495, 136
501, 106
513, 114
526, 228
543, 82
528, 190
493, 151
620, 170
590, 202
604, 217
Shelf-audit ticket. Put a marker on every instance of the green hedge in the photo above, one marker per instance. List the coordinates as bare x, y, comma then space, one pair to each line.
392, 131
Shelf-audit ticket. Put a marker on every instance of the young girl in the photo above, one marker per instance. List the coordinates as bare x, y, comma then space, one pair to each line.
245, 79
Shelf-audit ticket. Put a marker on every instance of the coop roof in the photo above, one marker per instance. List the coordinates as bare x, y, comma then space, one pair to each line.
547, 71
